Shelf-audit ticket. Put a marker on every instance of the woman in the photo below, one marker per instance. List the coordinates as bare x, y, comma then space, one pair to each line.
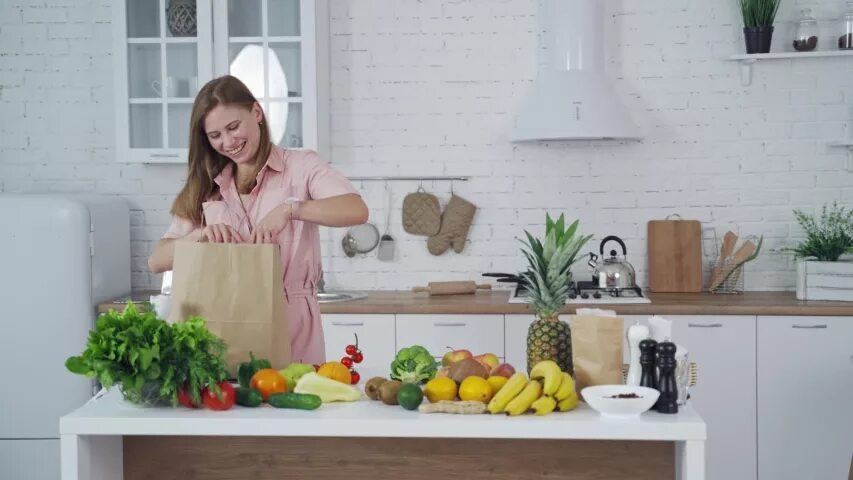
241, 188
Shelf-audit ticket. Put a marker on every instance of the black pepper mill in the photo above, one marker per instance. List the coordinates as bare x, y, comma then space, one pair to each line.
647, 362
668, 400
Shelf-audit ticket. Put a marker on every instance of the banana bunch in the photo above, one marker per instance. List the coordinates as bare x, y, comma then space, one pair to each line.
548, 389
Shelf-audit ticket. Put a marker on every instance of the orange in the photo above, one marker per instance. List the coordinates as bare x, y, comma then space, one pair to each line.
496, 382
268, 381
440, 389
336, 371
475, 388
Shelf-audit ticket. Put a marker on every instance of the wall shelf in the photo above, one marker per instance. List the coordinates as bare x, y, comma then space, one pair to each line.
746, 60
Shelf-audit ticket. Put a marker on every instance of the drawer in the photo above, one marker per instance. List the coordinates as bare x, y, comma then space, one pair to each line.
477, 333
375, 338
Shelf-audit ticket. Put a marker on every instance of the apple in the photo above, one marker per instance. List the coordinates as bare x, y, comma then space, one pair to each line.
503, 370
454, 356
293, 372
488, 360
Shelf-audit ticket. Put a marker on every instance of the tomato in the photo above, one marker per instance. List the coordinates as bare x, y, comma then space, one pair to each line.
268, 381
185, 399
228, 395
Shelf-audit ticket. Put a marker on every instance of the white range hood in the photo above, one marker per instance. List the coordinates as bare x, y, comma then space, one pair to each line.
572, 98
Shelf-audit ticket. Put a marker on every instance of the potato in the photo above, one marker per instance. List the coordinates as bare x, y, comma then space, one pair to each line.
371, 389
388, 392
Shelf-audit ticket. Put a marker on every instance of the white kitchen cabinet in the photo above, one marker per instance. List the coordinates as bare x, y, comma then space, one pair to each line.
165, 50
723, 347
375, 338
805, 386
30, 459
515, 340
477, 333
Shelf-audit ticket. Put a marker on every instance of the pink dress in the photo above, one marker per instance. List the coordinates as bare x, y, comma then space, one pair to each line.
288, 174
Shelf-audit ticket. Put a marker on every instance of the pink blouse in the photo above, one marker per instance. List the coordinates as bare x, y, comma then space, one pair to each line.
287, 176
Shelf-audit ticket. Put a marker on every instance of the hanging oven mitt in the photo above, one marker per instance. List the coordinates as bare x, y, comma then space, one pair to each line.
421, 213
455, 222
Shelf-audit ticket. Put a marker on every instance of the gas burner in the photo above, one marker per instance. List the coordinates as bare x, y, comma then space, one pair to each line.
587, 290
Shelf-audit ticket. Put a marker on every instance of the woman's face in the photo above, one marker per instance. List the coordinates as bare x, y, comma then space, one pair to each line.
233, 131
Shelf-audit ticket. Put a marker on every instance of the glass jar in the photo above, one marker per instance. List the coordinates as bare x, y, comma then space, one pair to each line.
845, 41
807, 31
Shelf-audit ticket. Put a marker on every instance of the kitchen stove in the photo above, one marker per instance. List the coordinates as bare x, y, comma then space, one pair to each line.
588, 293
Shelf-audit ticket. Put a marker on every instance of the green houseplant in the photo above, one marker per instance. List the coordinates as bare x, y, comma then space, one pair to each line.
821, 273
548, 277
758, 17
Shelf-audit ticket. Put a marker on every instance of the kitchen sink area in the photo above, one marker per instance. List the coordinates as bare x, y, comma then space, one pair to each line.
335, 297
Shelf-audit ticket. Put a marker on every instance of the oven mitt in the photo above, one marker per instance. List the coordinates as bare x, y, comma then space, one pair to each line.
455, 222
421, 214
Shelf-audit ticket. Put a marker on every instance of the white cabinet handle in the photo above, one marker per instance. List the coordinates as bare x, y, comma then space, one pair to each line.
704, 325
822, 325
445, 324
348, 324
164, 155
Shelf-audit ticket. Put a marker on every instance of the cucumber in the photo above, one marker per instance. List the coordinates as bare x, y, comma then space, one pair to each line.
302, 401
248, 397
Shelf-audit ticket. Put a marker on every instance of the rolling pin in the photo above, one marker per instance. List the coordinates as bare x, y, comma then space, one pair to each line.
453, 288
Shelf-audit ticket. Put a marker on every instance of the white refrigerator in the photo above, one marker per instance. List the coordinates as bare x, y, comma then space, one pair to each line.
60, 256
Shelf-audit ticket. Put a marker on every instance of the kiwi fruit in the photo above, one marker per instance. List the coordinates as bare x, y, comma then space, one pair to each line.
372, 387
388, 392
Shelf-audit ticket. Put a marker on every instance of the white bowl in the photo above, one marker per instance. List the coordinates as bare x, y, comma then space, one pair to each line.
599, 398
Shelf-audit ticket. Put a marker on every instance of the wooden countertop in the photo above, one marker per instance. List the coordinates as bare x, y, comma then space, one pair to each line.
495, 302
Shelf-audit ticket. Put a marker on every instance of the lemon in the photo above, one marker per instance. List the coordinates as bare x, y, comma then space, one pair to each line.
440, 389
475, 388
496, 382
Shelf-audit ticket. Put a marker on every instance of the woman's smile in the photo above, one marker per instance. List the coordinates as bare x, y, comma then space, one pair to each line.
233, 152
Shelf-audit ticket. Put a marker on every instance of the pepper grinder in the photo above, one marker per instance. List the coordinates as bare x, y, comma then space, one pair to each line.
636, 334
668, 400
647, 362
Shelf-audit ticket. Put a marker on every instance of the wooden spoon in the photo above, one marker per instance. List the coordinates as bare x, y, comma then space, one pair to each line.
728, 247
729, 241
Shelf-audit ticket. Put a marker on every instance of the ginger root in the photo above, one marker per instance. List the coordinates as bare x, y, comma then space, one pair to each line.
462, 407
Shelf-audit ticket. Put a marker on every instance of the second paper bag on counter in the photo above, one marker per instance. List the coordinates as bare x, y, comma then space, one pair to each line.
597, 343
237, 289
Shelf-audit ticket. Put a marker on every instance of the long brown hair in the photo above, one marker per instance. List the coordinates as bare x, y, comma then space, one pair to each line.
205, 163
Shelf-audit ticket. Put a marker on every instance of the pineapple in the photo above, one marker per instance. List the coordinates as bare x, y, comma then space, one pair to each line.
548, 278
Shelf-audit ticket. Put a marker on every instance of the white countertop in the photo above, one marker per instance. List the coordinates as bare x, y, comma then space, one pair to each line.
111, 415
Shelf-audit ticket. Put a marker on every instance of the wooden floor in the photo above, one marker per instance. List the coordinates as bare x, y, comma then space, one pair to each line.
268, 458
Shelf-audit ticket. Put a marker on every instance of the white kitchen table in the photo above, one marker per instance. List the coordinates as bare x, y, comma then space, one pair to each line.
91, 436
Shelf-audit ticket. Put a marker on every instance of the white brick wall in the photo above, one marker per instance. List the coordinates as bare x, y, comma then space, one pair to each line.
431, 87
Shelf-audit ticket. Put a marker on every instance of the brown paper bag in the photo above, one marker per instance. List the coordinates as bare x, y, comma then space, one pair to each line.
238, 291
597, 350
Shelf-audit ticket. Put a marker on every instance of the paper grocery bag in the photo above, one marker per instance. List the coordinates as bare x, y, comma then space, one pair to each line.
237, 289
597, 350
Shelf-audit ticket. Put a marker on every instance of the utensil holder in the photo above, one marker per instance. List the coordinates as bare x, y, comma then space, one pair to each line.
733, 283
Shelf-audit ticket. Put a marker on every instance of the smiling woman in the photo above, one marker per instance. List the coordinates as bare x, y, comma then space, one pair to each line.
241, 188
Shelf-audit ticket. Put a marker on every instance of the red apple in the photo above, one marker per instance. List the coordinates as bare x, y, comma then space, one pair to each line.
454, 356
488, 360
503, 370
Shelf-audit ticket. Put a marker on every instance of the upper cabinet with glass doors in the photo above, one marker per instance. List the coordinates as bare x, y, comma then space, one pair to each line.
167, 49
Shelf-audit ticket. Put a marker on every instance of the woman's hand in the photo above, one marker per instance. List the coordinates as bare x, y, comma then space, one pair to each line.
267, 230
219, 233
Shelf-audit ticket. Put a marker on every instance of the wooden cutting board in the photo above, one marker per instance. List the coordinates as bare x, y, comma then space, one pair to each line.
675, 255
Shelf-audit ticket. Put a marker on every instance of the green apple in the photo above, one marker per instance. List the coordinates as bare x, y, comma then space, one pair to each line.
293, 372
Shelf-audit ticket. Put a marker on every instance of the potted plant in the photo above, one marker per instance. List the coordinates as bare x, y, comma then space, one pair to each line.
821, 273
758, 16
548, 278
